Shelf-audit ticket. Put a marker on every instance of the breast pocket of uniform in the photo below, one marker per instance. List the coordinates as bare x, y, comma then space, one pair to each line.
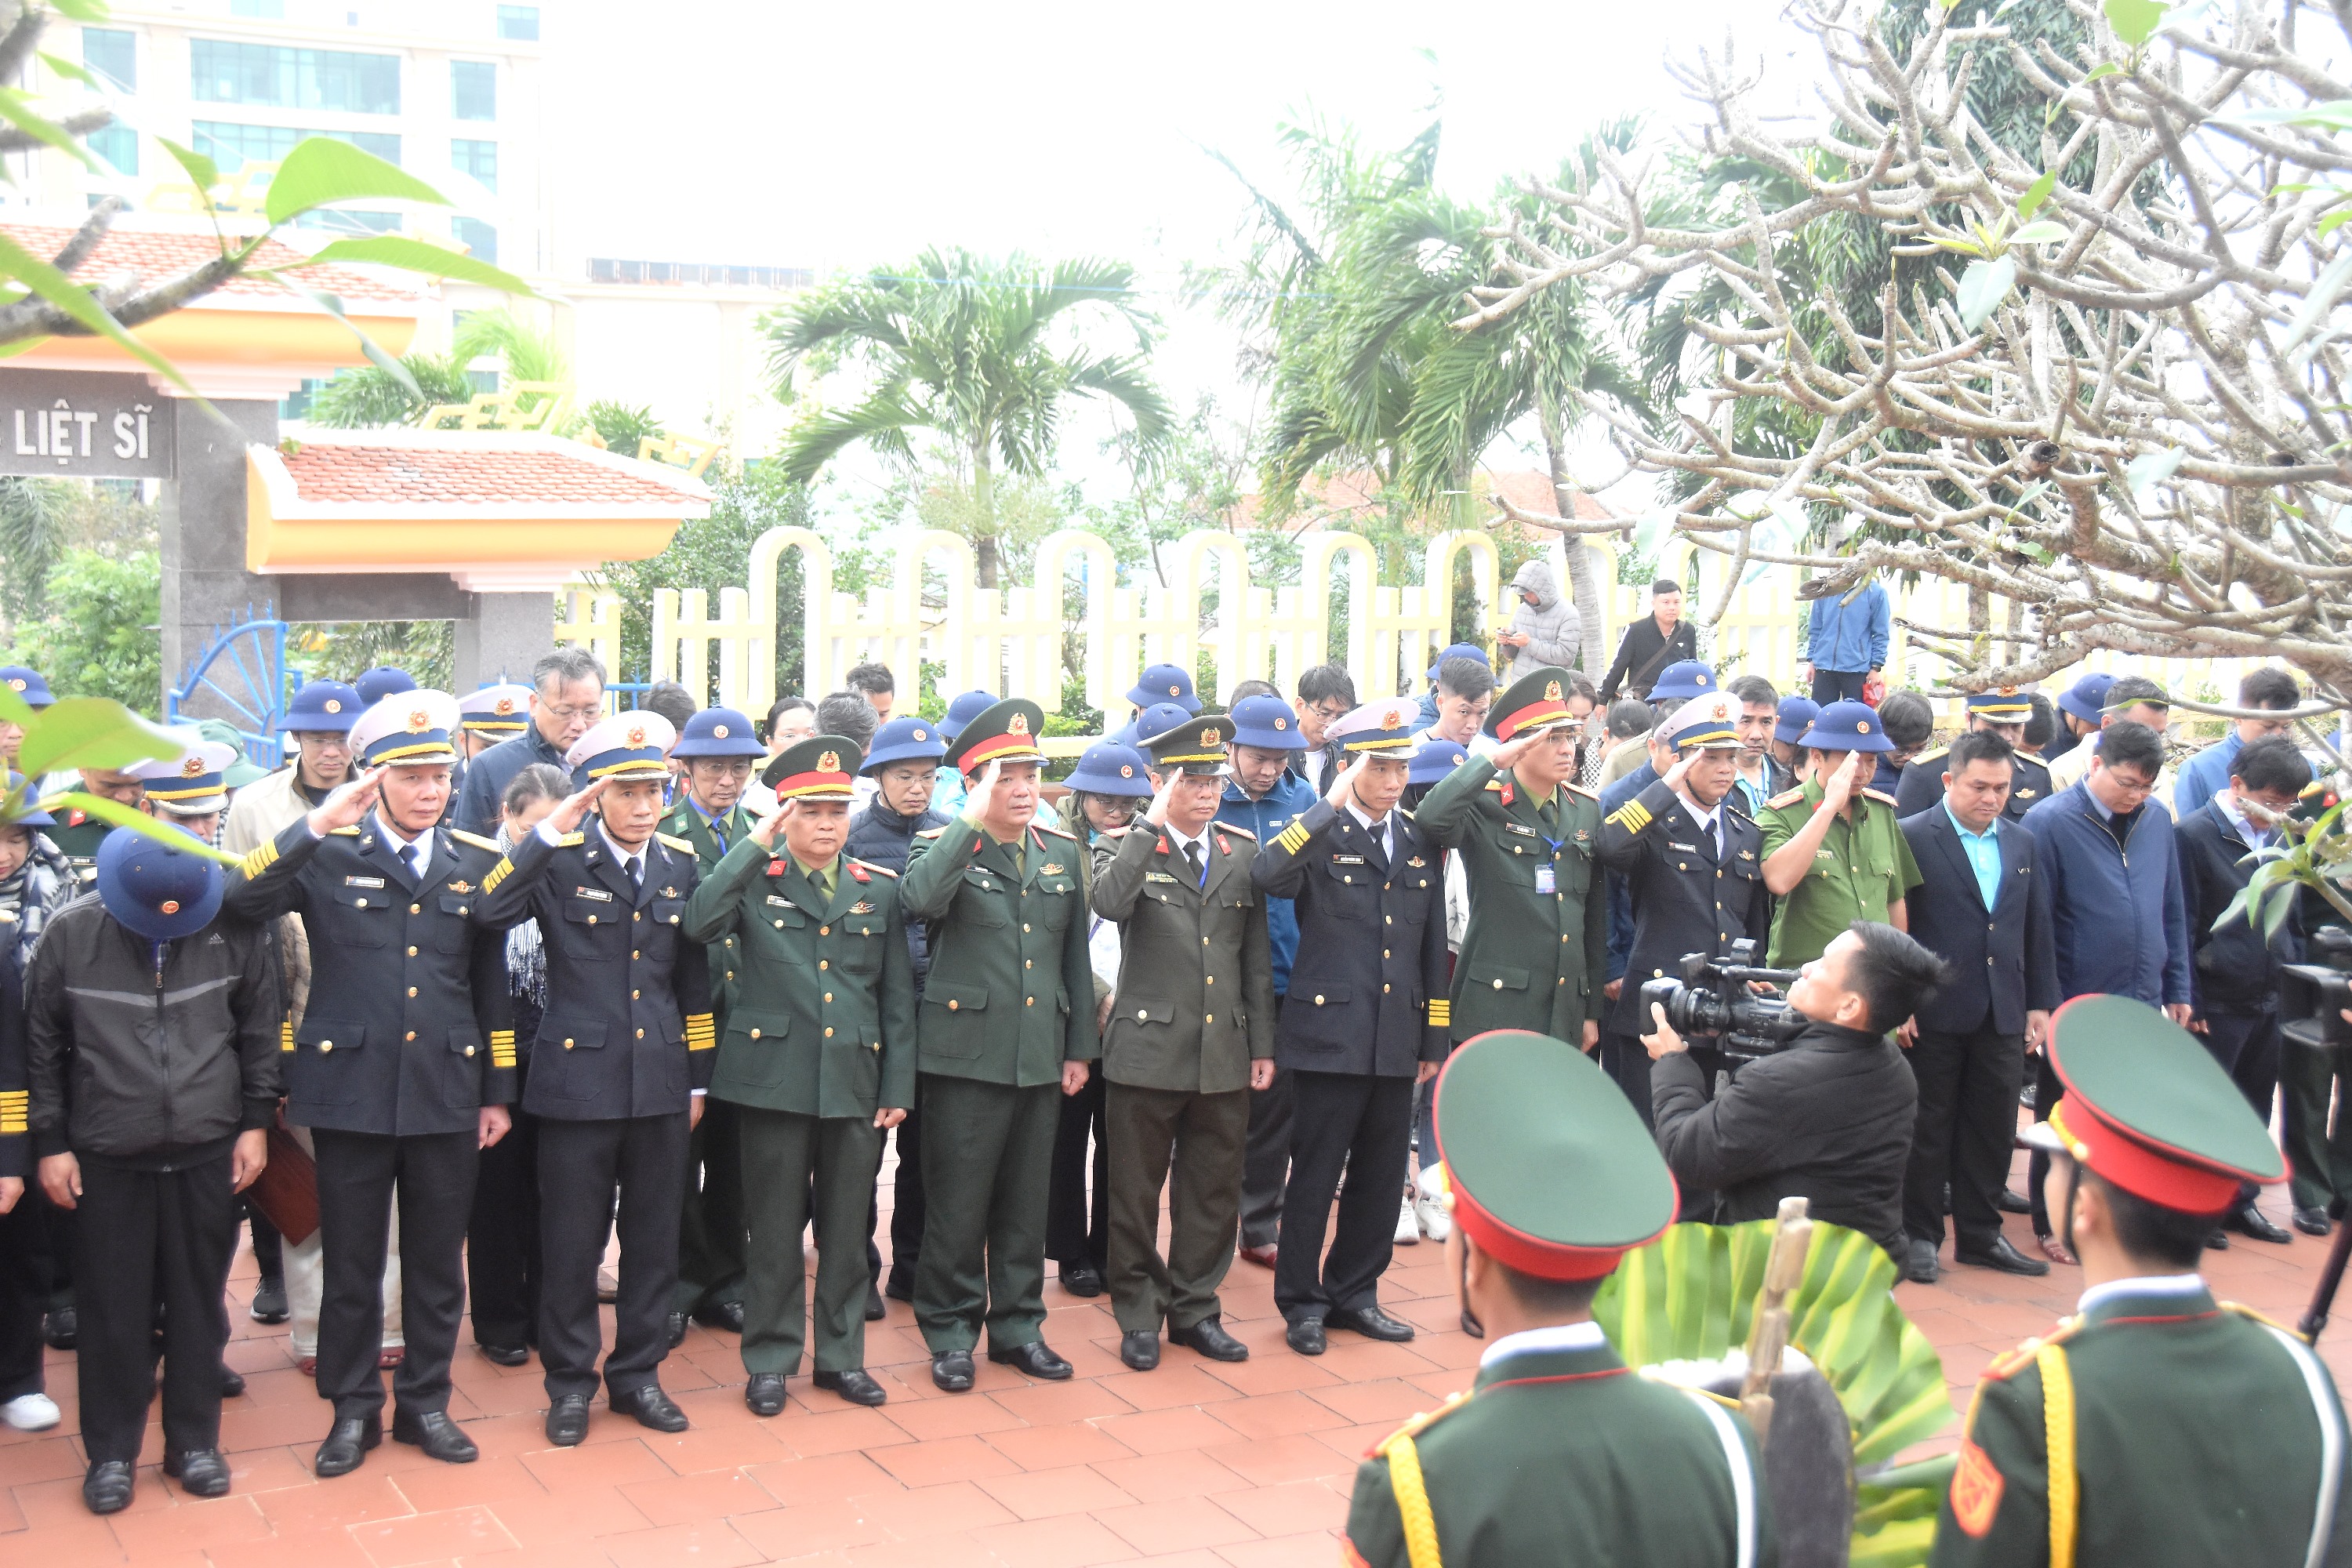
569, 1052
983, 899
1412, 908
1316, 1016
455, 935
588, 911
657, 933
1058, 894
1497, 977
1349, 889
863, 936
363, 914
462, 1089
326, 1066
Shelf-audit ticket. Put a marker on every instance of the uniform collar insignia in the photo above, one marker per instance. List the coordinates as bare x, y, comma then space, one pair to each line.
461, 885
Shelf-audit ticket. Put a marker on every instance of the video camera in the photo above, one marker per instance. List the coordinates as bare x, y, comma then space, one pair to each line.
2313, 996
1709, 1000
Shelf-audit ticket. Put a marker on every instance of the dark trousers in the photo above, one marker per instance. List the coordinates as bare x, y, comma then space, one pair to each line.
503, 1269
1838, 684
906, 1206
1624, 1060
1208, 1134
710, 1225
361, 1175
150, 1236
269, 1247
2247, 1046
1365, 1124
582, 1166
1265, 1161
1966, 1126
2319, 1155
988, 1161
22, 1300
50, 1247
1077, 1213
2046, 1090
784, 1153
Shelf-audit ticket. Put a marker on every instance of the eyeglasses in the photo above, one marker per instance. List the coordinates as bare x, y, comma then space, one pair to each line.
566, 715
1329, 713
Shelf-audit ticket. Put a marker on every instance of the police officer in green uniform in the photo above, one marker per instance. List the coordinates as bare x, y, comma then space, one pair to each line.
1832, 853
2004, 712
816, 1057
1538, 946
1005, 1028
1560, 1455
2156, 1426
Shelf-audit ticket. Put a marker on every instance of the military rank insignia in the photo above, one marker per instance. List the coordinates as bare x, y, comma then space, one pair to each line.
861, 907
1051, 869
461, 885
1976, 1489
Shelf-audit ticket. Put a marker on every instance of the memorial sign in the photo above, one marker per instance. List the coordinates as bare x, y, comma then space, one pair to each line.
84, 424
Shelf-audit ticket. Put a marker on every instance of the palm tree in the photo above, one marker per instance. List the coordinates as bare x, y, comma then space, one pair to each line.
967, 348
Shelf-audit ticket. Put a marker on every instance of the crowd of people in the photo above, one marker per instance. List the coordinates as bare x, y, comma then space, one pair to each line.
496, 977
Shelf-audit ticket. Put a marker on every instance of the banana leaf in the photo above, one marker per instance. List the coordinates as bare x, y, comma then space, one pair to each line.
138, 821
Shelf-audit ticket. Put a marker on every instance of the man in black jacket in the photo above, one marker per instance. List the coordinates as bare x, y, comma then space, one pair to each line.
153, 1026
1826, 1117
1982, 905
1658, 639
2233, 983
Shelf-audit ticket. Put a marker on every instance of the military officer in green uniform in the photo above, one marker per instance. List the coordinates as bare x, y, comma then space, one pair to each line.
1560, 1456
1832, 853
78, 835
2004, 712
816, 1058
1006, 1027
1538, 946
2156, 1426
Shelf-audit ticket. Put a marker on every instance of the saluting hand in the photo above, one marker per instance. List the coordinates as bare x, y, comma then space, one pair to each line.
983, 795
349, 805
1681, 770
568, 816
1507, 756
1156, 816
1342, 793
1844, 782
764, 831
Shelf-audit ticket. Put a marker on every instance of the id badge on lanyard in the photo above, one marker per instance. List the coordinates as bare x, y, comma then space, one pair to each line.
1547, 876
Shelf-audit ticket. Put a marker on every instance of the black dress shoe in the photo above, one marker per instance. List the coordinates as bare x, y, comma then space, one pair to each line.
232, 1383
952, 1369
764, 1394
676, 1330
1919, 1265
875, 1310
507, 1355
567, 1420
106, 1487
1034, 1359
1082, 1280
348, 1441
2249, 1220
2311, 1222
1306, 1336
652, 1408
2011, 1203
269, 1300
2218, 1241
852, 1384
201, 1472
433, 1431
728, 1315
61, 1328
1140, 1348
2001, 1254
1369, 1321
1208, 1337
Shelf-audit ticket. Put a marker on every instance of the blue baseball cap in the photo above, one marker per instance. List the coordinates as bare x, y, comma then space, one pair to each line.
1108, 768
158, 882
1796, 718
916, 739
323, 705
1436, 759
1165, 683
964, 709
27, 683
1266, 721
1848, 727
1686, 679
717, 732
1459, 650
374, 685
2087, 699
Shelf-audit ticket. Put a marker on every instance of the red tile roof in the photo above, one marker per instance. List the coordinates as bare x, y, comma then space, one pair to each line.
351, 474
157, 254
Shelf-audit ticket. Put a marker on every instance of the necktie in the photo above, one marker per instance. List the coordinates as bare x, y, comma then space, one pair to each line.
1713, 840
719, 832
1550, 811
637, 870
1192, 859
823, 880
419, 853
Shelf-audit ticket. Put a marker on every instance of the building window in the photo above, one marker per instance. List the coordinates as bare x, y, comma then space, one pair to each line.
260, 10
280, 77
482, 380
233, 146
342, 220
119, 145
473, 90
519, 22
479, 159
480, 239
296, 404
112, 54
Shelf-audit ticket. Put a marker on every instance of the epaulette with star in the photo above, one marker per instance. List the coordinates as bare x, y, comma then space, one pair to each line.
1419, 1423
351, 832
474, 840
870, 865
1880, 795
1495, 784
1786, 797
1591, 795
682, 845
572, 841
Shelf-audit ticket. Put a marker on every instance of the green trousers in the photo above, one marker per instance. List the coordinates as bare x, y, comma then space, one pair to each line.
782, 1150
2320, 1158
988, 1161
1209, 1135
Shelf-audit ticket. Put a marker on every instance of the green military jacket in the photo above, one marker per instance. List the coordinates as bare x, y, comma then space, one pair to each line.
1195, 996
1861, 869
1010, 996
2155, 1429
77, 835
688, 823
1563, 1457
824, 1021
1532, 959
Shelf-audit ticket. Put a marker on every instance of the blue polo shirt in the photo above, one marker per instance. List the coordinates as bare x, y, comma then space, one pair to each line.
1983, 850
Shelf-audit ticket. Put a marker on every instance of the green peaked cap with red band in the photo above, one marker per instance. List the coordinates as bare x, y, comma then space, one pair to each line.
1006, 732
818, 768
1536, 701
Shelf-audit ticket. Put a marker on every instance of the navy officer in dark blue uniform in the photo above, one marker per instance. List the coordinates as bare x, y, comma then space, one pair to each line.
2002, 711
618, 1070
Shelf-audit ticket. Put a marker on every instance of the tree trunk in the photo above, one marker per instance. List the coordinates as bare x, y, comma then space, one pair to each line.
1584, 588
983, 530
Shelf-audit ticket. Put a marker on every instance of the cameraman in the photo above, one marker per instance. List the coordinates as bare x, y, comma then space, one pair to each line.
1828, 1117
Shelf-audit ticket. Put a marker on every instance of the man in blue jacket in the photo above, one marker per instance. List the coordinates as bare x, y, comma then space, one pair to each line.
2207, 774
1845, 640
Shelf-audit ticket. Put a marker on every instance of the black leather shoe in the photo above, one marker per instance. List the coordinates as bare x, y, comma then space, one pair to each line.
1369, 1321
952, 1369
201, 1472
2311, 1222
652, 1408
2218, 1241
853, 1385
269, 1300
1140, 1348
875, 1310
433, 1431
764, 1394
1034, 1359
676, 1330
2251, 1221
1306, 1336
106, 1488
1082, 1280
232, 1383
348, 1441
2001, 1254
567, 1420
2011, 1203
1919, 1261
1209, 1337
728, 1315
61, 1328
507, 1355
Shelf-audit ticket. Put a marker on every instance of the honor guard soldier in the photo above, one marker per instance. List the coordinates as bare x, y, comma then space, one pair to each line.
816, 1055
1560, 1456
2155, 1426
1191, 1034
719, 750
1693, 863
2004, 712
1006, 1027
403, 1064
1365, 1020
1538, 946
620, 1065
1832, 853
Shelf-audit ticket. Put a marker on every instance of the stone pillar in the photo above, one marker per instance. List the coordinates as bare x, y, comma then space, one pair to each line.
500, 637
207, 589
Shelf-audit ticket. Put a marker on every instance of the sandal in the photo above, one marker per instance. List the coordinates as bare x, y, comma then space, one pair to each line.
2054, 1250
387, 1359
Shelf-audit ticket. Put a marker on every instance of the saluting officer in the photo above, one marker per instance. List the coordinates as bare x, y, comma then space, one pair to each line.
404, 1065
2004, 712
817, 1056
2155, 1426
1006, 1027
620, 1066
1365, 1021
1538, 946
1832, 851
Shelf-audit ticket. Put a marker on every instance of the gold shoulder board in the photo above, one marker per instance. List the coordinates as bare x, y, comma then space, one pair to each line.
572, 840
878, 870
1588, 794
475, 840
1786, 797
931, 832
351, 832
1880, 795
683, 846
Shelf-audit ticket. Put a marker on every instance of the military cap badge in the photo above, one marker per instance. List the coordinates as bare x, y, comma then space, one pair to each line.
1551, 690
1017, 725
1209, 737
719, 731
419, 721
829, 762
637, 736
504, 707
192, 768
334, 705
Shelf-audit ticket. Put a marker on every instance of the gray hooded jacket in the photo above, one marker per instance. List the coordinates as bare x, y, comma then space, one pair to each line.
1555, 631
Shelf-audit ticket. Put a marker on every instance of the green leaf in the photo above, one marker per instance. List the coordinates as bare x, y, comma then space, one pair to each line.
2332, 222
80, 10
322, 170
1982, 288
201, 170
2331, 114
138, 821
19, 111
421, 256
2325, 289
376, 355
75, 300
2042, 233
68, 70
2149, 469
91, 732
2135, 21
2096, 72
2035, 195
